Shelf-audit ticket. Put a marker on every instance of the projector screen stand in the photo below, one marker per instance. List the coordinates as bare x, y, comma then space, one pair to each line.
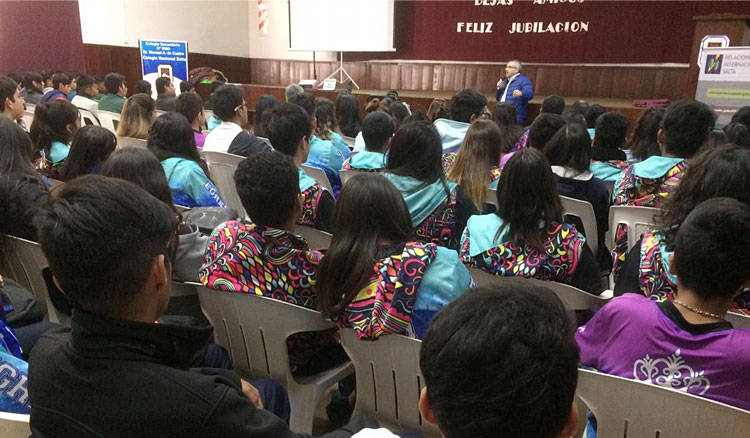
341, 71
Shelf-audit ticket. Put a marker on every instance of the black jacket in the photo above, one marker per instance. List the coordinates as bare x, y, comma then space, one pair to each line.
245, 144
18, 207
127, 379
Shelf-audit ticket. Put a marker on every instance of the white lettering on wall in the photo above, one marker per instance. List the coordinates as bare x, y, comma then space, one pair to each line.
541, 27
469, 27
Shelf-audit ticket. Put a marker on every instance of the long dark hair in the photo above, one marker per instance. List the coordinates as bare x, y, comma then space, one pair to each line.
720, 172
325, 113
478, 154
51, 121
347, 113
526, 194
570, 147
142, 168
504, 115
172, 136
265, 102
369, 210
416, 151
643, 143
90, 148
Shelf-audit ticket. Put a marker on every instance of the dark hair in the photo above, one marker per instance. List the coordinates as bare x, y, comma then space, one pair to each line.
265, 102
186, 87
416, 151
347, 113
29, 79
51, 120
504, 116
189, 105
644, 144
90, 148
501, 358
416, 116
46, 75
369, 209
574, 117
581, 107
60, 79
377, 129
526, 194
84, 81
543, 128
570, 147
142, 168
115, 229
479, 153
171, 136
225, 100
742, 115
286, 125
113, 82
738, 133
438, 109
718, 229
717, 137
142, 87
611, 130
306, 101
136, 116
467, 103
720, 172
162, 83
325, 114
399, 112
686, 126
593, 113
268, 179
553, 104
8, 89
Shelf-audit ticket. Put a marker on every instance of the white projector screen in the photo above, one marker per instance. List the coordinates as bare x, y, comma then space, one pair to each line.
341, 25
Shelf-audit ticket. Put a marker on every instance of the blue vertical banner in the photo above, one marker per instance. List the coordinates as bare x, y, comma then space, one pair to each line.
164, 58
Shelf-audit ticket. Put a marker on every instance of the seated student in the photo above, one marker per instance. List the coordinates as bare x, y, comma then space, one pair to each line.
117, 90
137, 114
527, 237
737, 133
61, 88
326, 125
265, 102
643, 143
190, 105
55, 123
229, 106
504, 116
46, 80
142, 168
101, 89
684, 130
554, 107
391, 284
171, 140
541, 131
32, 88
569, 153
290, 129
86, 90
466, 106
347, 114
414, 167
636, 338
581, 107
115, 346
14, 397
592, 114
11, 103
720, 172
88, 151
553, 104
376, 105
22, 189
377, 130
165, 94
187, 87
607, 157
475, 170
142, 87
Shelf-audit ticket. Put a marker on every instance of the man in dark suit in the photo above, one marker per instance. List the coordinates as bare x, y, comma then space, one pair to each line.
515, 88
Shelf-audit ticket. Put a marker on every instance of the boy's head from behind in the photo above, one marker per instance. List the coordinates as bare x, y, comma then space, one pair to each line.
611, 130
268, 186
501, 360
288, 127
377, 130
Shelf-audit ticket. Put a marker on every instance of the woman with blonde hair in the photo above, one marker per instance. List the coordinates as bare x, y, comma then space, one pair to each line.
137, 115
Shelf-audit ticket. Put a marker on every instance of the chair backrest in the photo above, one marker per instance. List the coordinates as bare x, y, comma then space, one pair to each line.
585, 212
389, 380
252, 328
208, 114
14, 425
738, 321
346, 174
109, 120
349, 141
87, 117
28, 117
159, 113
491, 197
610, 187
130, 142
572, 297
221, 166
625, 407
55, 184
316, 239
318, 175
638, 219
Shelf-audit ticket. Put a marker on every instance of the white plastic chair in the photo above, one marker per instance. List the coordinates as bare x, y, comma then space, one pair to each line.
738, 321
638, 219
87, 117
389, 380
318, 175
222, 167
14, 425
572, 297
109, 120
349, 141
345, 175
28, 117
625, 407
254, 330
130, 142
159, 113
316, 239
585, 212
491, 197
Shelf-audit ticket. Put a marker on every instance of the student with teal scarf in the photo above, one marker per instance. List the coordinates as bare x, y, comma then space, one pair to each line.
55, 123
377, 131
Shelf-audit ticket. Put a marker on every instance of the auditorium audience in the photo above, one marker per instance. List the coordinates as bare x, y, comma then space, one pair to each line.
527, 236
88, 151
607, 158
391, 283
592, 114
553, 104
55, 123
229, 106
190, 105
32, 88
327, 127
47, 80
377, 131
142, 87
137, 114
581, 107
375, 104
165, 94
644, 144
347, 114
116, 91
11, 102
100, 88
264, 103
86, 90
717, 137
61, 88
414, 166
466, 106
22, 189
290, 131
171, 140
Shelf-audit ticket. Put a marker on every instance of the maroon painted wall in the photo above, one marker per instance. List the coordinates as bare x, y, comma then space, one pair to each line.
40, 35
